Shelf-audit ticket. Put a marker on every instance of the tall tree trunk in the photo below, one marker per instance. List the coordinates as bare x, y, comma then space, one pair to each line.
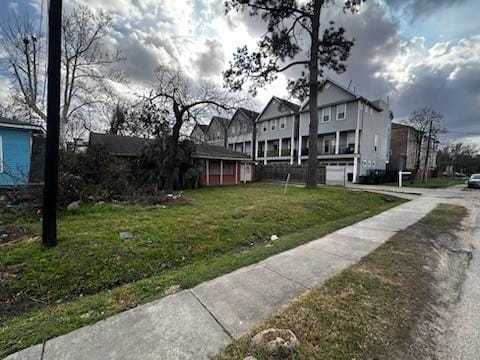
172, 146
425, 168
313, 93
417, 160
254, 140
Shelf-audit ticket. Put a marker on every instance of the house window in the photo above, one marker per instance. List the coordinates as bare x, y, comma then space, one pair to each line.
328, 146
326, 113
1, 154
228, 169
273, 125
341, 111
375, 144
265, 126
283, 123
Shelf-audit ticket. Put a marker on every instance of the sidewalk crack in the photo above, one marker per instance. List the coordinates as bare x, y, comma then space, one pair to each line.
285, 277
43, 350
212, 315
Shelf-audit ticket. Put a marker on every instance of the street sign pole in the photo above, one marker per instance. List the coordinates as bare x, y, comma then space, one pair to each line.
50, 189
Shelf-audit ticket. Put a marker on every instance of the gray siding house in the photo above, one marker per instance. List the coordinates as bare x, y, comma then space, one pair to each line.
240, 135
353, 132
216, 132
198, 134
277, 132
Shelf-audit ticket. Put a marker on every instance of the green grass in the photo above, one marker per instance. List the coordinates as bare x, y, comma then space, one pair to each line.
93, 274
433, 183
368, 311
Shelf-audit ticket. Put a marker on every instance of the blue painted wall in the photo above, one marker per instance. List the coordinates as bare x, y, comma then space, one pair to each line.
16, 156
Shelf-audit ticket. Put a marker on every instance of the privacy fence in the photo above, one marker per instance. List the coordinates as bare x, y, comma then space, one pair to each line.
279, 172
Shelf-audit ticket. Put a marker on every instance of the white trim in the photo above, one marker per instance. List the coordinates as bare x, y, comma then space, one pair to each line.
25, 127
344, 111
337, 143
329, 114
207, 180
221, 172
1, 154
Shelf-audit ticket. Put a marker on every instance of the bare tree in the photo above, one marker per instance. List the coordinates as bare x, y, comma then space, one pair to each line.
87, 64
293, 28
184, 101
428, 125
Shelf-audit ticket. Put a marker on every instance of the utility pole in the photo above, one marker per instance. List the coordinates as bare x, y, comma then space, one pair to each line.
50, 189
425, 168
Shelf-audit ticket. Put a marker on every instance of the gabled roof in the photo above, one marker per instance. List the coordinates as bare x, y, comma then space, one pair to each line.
356, 96
119, 145
17, 124
204, 151
223, 122
203, 128
250, 114
292, 106
289, 105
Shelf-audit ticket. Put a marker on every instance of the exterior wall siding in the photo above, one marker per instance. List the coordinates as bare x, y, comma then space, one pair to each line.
16, 150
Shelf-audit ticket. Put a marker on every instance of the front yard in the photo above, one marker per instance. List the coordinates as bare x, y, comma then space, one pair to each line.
93, 273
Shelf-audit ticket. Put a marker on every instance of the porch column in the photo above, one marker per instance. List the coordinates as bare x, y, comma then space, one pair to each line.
256, 150
280, 147
357, 140
265, 151
292, 142
221, 172
236, 172
337, 143
244, 149
207, 180
299, 150
355, 169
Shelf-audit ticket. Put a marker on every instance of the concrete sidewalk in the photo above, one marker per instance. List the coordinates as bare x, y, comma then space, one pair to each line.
199, 323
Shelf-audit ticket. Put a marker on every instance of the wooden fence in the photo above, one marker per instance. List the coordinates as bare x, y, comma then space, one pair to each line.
279, 172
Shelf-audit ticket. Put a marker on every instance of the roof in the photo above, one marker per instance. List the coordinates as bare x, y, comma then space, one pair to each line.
223, 122
356, 96
17, 124
292, 106
203, 151
119, 145
203, 128
250, 114
132, 146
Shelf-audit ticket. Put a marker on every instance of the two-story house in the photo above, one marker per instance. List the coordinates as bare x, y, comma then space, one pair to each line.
240, 134
277, 132
405, 150
353, 131
216, 132
198, 134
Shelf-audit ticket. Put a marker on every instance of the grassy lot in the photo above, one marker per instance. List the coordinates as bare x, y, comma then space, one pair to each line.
92, 273
433, 183
369, 310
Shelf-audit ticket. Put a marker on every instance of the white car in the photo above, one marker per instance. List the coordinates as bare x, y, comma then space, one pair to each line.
474, 181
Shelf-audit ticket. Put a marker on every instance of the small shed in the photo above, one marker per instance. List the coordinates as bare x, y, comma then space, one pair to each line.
17, 139
222, 166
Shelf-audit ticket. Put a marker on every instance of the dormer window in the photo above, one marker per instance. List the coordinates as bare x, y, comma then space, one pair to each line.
341, 111
326, 114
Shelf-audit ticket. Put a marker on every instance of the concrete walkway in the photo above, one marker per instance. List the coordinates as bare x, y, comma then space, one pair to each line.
199, 323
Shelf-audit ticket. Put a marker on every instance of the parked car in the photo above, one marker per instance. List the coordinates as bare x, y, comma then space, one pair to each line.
474, 181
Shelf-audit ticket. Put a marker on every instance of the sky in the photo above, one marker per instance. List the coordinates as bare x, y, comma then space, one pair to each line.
413, 52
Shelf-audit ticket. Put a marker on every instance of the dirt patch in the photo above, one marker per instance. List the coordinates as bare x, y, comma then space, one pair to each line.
11, 233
